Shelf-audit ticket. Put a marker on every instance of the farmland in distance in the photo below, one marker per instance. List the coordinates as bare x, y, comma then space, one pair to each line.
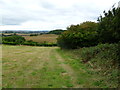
49, 38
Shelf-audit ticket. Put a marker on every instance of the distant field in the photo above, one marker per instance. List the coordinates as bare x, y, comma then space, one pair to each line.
50, 38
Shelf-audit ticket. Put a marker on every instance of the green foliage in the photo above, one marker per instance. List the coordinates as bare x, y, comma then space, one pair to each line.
9, 43
87, 26
101, 50
105, 59
76, 36
17, 40
33, 34
31, 43
107, 30
58, 31
101, 60
13, 40
109, 26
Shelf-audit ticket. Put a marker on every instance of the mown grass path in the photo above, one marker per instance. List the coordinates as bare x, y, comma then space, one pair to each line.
42, 67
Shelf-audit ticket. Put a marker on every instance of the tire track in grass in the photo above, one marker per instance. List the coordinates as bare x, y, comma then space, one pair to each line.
53, 72
41, 67
69, 71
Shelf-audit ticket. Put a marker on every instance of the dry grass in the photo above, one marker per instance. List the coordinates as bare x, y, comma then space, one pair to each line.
50, 38
32, 67
45, 67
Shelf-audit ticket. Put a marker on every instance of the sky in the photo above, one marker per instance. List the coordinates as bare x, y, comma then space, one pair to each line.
49, 14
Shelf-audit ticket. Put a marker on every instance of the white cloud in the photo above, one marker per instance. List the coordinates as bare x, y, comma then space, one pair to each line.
49, 14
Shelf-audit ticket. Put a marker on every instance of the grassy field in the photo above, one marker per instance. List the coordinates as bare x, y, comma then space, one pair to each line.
50, 38
45, 67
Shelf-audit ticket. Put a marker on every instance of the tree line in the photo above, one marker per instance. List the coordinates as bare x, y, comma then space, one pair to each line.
86, 34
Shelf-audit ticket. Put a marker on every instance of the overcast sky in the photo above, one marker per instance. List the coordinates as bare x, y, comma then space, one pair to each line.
49, 14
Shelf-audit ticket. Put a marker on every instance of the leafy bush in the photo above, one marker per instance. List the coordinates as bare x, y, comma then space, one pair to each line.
107, 30
9, 43
33, 34
15, 39
76, 36
104, 51
58, 31
31, 43
105, 59
109, 26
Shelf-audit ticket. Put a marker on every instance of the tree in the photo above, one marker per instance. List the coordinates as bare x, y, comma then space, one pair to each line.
109, 26
80, 35
57, 31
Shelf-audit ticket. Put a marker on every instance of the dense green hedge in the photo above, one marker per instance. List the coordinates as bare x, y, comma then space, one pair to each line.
103, 51
109, 26
58, 31
33, 34
76, 36
104, 59
13, 40
86, 34
9, 43
31, 43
